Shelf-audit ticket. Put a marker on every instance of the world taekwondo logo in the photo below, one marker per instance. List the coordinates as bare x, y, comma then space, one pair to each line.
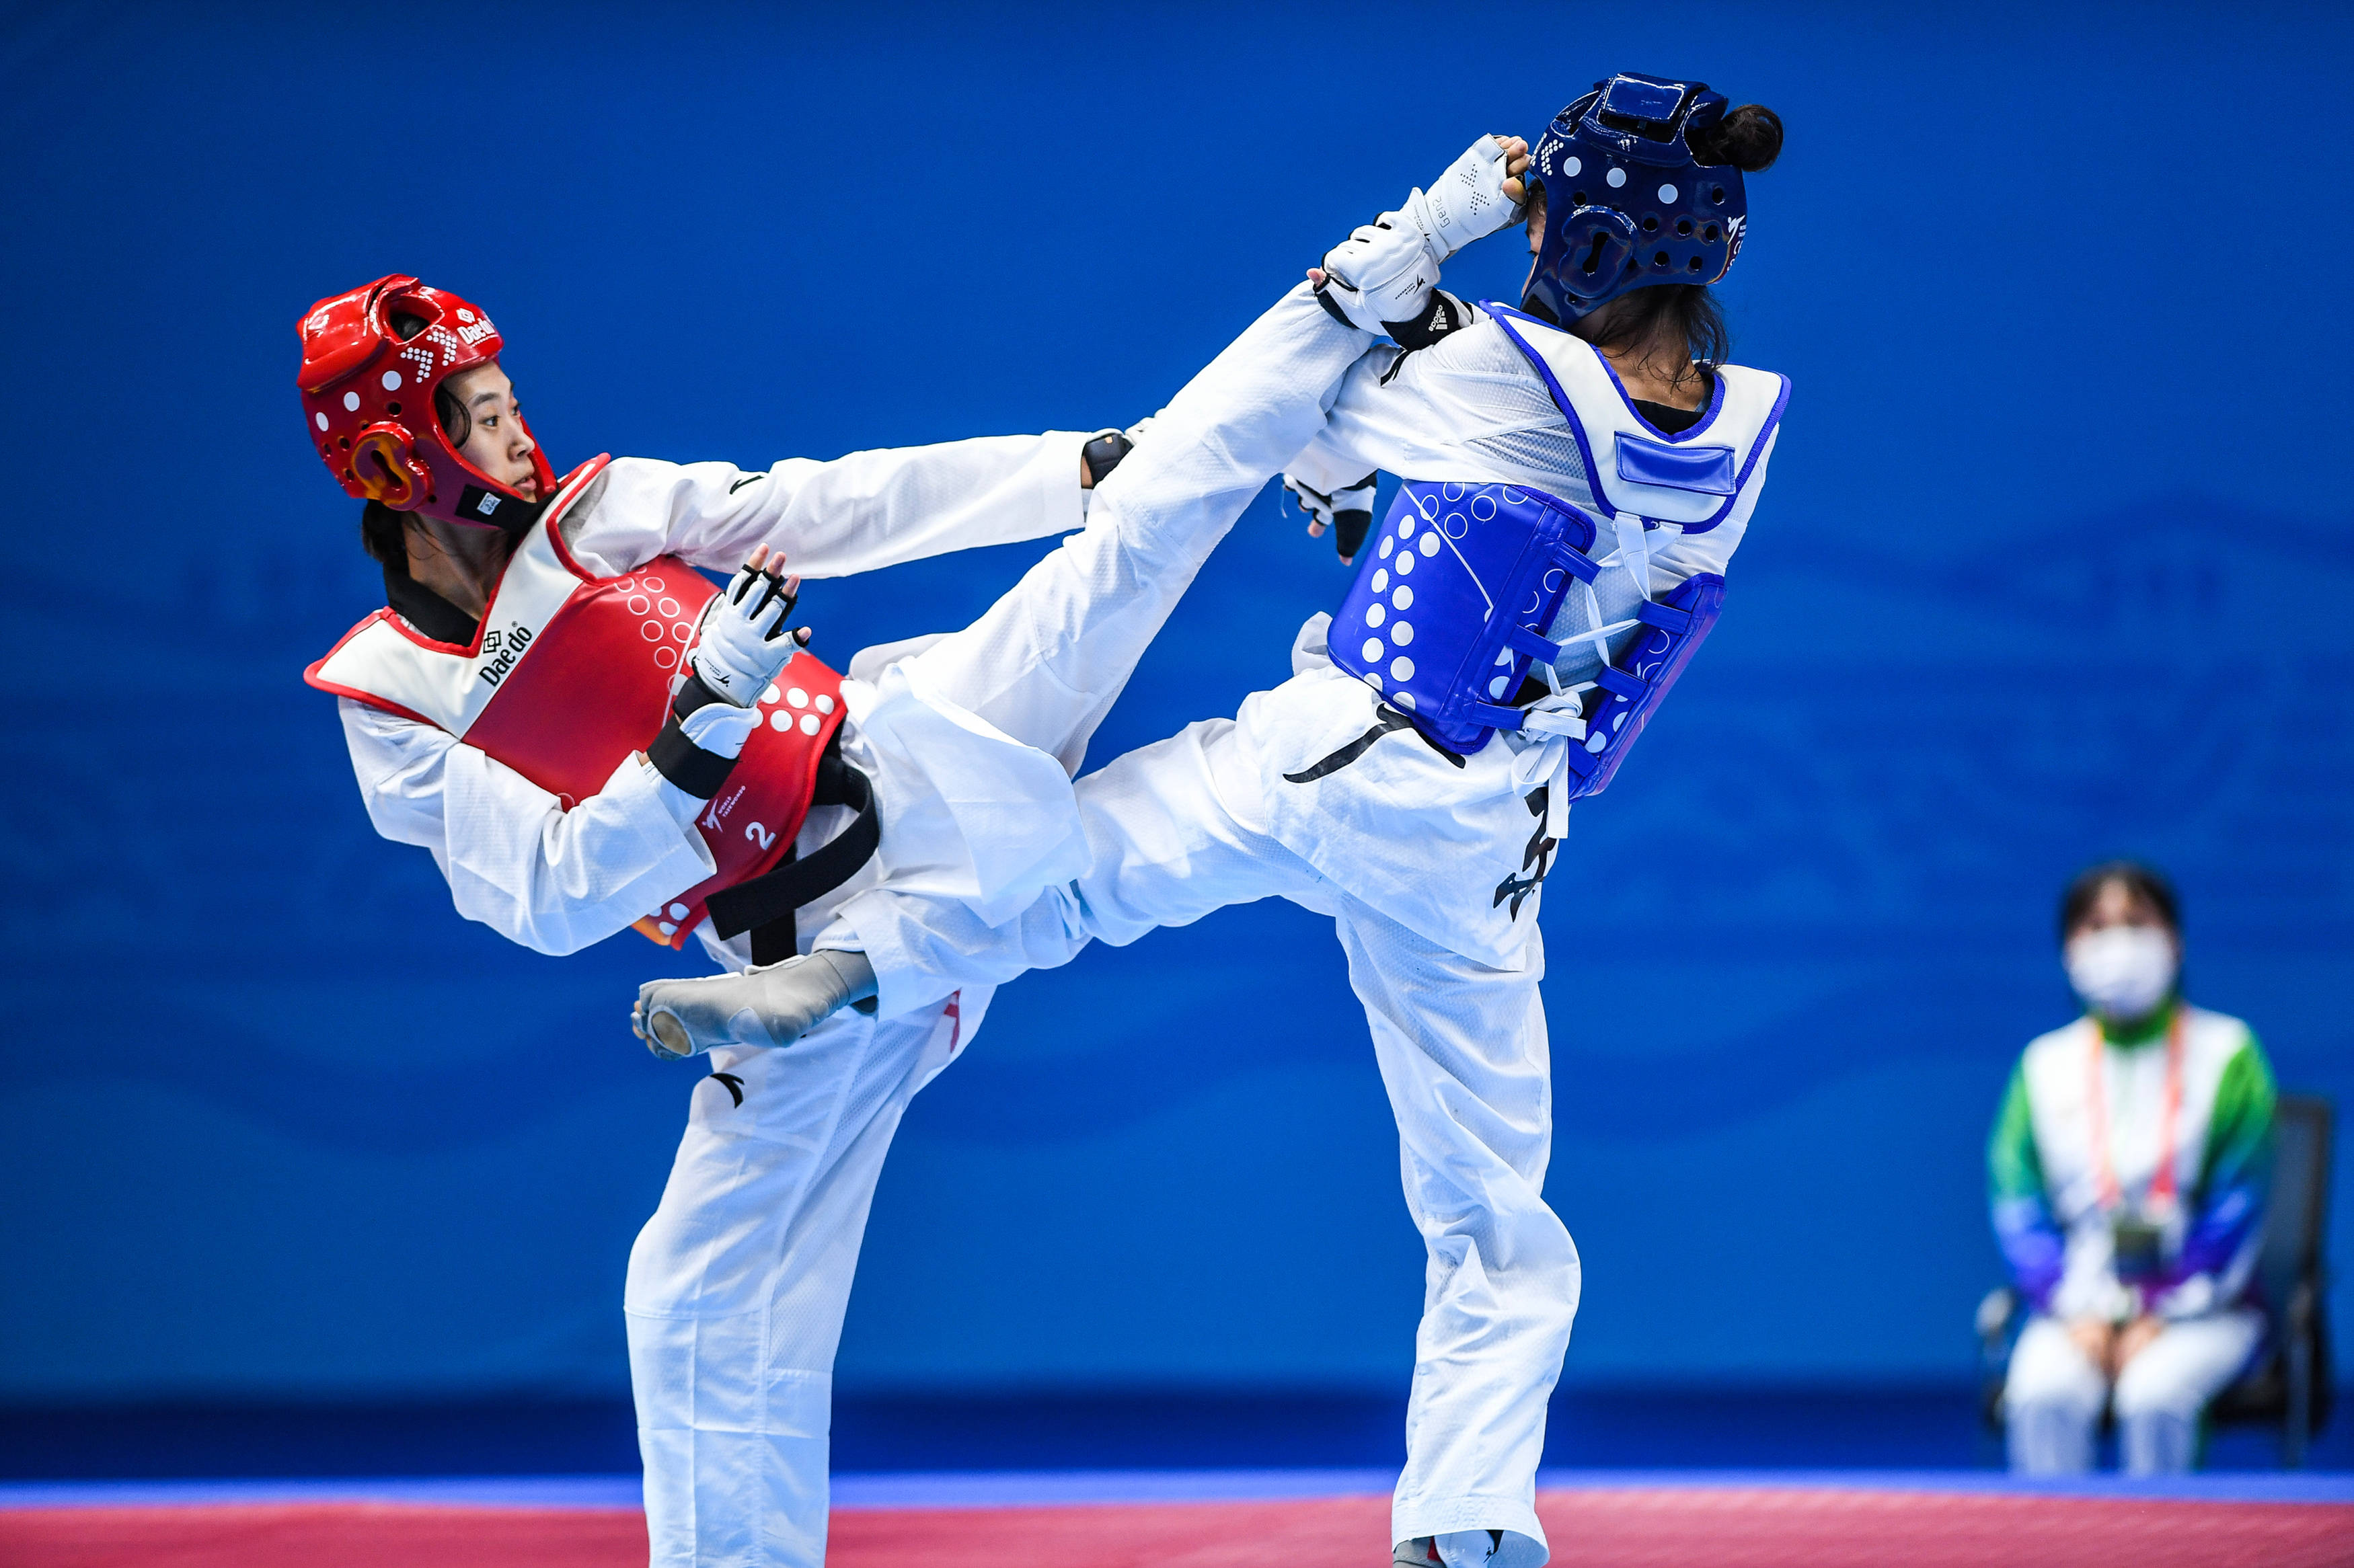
502, 649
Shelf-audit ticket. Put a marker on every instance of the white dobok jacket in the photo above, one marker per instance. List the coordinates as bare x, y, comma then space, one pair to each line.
558, 880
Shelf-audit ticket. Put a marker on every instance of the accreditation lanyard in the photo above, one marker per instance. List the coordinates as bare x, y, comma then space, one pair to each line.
2104, 1172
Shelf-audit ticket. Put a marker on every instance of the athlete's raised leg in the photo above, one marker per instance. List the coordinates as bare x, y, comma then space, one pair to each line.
1173, 830
1044, 663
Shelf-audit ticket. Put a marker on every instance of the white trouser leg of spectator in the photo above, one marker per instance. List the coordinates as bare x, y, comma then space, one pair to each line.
1464, 1055
2051, 1402
2163, 1390
737, 1286
1045, 662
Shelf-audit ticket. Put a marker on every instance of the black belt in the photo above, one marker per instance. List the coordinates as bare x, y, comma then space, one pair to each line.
765, 905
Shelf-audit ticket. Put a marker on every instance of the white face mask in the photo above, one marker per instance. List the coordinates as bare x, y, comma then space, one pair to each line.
2122, 972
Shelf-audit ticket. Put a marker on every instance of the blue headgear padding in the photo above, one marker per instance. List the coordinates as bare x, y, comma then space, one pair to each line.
1445, 616
1625, 202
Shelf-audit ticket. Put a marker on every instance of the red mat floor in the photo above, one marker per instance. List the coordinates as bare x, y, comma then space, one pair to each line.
1603, 1528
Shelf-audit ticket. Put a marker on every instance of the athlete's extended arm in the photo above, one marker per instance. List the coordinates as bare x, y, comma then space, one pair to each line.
553, 880
853, 514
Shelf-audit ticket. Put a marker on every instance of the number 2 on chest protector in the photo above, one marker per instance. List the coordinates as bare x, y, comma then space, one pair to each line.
759, 835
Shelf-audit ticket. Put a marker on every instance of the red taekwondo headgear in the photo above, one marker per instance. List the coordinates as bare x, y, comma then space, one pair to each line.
368, 391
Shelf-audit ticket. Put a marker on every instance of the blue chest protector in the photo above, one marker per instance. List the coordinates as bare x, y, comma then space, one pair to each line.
1444, 618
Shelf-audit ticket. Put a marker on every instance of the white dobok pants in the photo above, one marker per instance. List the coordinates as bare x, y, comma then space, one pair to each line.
2054, 1395
1177, 830
737, 1285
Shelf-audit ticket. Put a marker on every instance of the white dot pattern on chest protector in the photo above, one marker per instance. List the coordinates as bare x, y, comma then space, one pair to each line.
797, 697
1375, 615
1403, 598
1401, 667
1380, 578
810, 723
824, 704
1402, 633
1387, 545
1372, 651
1429, 545
1404, 562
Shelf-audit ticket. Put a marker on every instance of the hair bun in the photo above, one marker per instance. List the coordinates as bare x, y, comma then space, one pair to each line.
1749, 137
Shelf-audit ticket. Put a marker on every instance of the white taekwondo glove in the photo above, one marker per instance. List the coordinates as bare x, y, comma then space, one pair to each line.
745, 641
1466, 203
1380, 276
1348, 512
1369, 282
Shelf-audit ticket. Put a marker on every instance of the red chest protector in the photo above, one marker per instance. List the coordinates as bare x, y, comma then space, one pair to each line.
569, 673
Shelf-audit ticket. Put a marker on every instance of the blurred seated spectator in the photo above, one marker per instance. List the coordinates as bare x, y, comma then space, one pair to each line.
2128, 1171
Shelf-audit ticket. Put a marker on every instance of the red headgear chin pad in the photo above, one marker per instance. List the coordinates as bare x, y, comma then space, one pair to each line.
367, 394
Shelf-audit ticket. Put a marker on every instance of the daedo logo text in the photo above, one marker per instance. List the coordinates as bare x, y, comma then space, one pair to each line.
501, 650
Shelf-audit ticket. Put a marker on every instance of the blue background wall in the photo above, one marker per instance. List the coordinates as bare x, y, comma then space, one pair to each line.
2055, 565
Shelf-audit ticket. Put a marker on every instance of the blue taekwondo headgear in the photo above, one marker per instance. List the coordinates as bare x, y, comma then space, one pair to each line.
1626, 204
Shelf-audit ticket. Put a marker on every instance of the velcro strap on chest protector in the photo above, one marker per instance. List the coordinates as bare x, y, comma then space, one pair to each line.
699, 773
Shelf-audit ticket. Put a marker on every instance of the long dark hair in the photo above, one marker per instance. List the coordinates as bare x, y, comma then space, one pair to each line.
1666, 315
383, 535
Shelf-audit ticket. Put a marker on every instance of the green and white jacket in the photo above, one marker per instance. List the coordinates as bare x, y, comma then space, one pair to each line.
2170, 1125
